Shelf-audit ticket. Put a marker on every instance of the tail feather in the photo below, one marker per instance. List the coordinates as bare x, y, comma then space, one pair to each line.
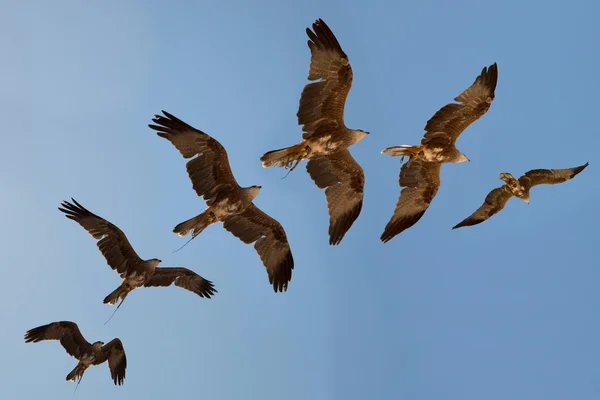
76, 374
119, 293
404, 150
196, 224
285, 157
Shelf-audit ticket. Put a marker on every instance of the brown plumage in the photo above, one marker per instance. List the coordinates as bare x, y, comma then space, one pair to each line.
421, 181
325, 137
497, 198
421, 175
87, 353
227, 202
446, 125
122, 258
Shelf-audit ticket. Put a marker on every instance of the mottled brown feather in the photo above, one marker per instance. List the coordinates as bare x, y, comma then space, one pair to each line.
324, 100
421, 181
450, 121
66, 332
344, 181
549, 176
209, 171
272, 246
183, 278
114, 352
494, 202
113, 243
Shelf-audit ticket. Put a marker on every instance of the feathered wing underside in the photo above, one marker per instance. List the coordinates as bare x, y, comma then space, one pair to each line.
549, 176
343, 180
421, 181
184, 278
209, 171
324, 100
451, 120
113, 243
272, 246
66, 332
494, 202
114, 352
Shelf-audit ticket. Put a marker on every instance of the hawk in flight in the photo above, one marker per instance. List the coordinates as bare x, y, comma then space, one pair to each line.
122, 258
497, 198
325, 137
227, 202
87, 353
420, 176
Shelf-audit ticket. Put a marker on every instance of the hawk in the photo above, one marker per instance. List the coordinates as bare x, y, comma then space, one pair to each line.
87, 353
420, 176
497, 198
122, 258
325, 137
227, 202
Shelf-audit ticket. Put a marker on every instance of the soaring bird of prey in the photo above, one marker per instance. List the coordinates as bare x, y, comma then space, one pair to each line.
227, 202
122, 258
420, 176
325, 137
497, 198
87, 353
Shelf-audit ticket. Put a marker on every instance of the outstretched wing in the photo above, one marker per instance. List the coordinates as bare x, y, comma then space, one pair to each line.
345, 181
66, 331
549, 176
494, 202
421, 181
113, 243
324, 100
183, 278
451, 120
253, 225
114, 352
209, 171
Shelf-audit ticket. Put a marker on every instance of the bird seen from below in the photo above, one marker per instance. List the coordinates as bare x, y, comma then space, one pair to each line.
227, 202
420, 176
497, 198
87, 353
325, 137
122, 258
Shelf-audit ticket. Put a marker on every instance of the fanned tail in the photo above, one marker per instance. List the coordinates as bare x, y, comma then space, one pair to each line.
404, 150
196, 224
286, 157
77, 373
119, 293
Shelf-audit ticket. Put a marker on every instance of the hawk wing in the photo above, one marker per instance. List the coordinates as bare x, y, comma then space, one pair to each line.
67, 332
549, 176
114, 352
210, 170
494, 202
113, 243
253, 225
324, 100
451, 120
345, 181
183, 278
421, 181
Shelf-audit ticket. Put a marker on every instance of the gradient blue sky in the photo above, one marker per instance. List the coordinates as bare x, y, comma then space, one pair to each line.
506, 309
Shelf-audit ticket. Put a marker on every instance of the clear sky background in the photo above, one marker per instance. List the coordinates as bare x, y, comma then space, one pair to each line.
504, 310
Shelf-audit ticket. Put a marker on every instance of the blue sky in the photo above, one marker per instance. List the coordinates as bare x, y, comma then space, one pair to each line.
506, 309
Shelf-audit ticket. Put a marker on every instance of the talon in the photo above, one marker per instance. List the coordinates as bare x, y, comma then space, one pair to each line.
211, 217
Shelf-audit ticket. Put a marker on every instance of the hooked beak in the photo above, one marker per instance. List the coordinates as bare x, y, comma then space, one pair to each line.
260, 187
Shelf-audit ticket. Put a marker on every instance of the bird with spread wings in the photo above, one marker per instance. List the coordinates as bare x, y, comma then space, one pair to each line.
497, 198
122, 258
420, 176
325, 137
227, 201
87, 353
